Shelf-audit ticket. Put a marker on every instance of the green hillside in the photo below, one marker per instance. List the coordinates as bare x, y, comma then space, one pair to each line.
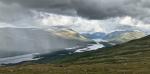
133, 51
130, 58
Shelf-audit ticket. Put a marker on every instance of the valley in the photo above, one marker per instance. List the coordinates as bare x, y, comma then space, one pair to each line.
129, 58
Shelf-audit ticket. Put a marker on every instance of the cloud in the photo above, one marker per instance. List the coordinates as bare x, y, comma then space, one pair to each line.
20, 12
113, 8
40, 3
53, 6
95, 9
83, 25
14, 13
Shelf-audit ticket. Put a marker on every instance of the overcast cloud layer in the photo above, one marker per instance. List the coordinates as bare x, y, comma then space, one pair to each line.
26, 13
96, 9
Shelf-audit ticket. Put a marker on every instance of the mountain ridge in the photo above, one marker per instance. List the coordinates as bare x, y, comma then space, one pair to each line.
118, 50
130, 58
36, 40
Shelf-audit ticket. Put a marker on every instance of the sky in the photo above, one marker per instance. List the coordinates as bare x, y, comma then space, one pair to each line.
96, 15
83, 16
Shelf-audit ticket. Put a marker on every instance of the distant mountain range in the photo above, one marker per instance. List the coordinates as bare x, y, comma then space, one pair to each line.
56, 41
20, 41
130, 57
95, 35
124, 36
132, 51
116, 37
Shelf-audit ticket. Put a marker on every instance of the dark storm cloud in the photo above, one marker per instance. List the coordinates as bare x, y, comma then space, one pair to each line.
54, 6
95, 9
12, 12
113, 8
40, 3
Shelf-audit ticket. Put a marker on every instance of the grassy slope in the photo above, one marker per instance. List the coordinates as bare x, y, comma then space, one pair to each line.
129, 58
133, 51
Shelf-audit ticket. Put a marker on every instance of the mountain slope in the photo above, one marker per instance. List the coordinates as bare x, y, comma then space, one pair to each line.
129, 58
96, 35
124, 36
17, 41
133, 51
116, 37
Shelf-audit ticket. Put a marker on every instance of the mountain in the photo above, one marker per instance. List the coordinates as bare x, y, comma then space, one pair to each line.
95, 35
67, 33
118, 37
20, 41
131, 57
132, 51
